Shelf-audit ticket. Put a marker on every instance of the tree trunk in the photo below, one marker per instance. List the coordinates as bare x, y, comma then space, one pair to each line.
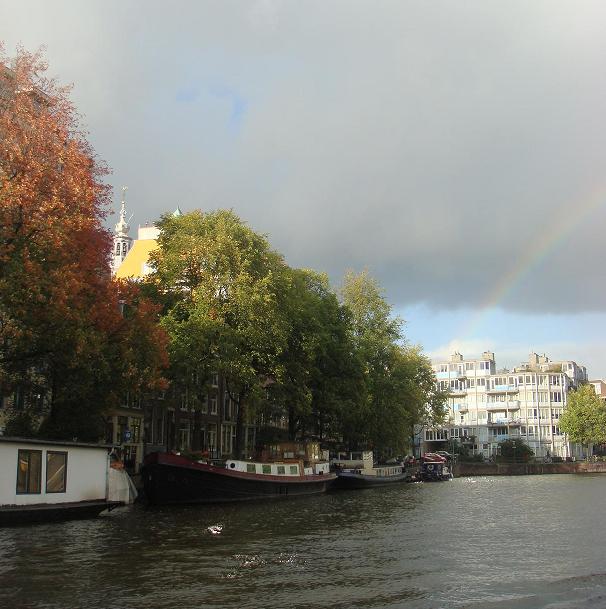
240, 429
292, 428
196, 444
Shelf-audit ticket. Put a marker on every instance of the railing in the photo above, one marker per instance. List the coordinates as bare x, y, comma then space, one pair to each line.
503, 389
504, 421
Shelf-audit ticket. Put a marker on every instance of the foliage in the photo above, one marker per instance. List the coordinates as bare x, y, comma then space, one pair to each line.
62, 336
321, 379
514, 450
223, 292
584, 418
20, 424
399, 381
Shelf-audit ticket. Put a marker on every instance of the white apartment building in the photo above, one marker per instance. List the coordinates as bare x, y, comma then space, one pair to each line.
487, 405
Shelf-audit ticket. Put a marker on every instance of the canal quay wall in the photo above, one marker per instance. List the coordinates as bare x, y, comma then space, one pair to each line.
527, 469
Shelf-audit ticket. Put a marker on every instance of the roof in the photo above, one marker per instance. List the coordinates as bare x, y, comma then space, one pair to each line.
39, 441
135, 263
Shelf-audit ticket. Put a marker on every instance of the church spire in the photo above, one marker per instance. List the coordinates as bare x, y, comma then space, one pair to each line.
122, 226
122, 241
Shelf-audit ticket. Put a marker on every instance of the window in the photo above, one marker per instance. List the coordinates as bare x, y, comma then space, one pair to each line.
204, 404
469, 366
281, 469
212, 438
124, 248
250, 468
184, 434
214, 381
213, 405
136, 429
481, 382
267, 469
294, 469
29, 472
443, 368
227, 407
228, 433
56, 472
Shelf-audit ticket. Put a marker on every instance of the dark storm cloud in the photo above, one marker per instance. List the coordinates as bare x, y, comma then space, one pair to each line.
432, 143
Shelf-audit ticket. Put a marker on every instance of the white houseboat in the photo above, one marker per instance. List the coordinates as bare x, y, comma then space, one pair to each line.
357, 470
43, 480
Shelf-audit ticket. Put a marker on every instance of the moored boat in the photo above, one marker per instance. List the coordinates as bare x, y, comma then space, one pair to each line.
358, 471
282, 471
435, 468
47, 480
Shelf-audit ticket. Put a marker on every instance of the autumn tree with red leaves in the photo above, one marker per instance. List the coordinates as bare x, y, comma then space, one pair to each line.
64, 340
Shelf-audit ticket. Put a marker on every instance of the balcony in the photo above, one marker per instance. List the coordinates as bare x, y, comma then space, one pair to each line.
503, 389
453, 374
505, 421
459, 391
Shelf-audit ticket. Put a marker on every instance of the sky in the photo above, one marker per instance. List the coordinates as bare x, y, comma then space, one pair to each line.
454, 149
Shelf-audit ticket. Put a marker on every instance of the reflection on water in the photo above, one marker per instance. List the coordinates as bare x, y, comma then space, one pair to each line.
520, 542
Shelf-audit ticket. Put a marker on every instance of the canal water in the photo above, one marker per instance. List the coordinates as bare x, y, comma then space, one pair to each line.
496, 542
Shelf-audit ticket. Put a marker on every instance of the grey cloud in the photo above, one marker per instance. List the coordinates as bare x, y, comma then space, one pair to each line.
430, 142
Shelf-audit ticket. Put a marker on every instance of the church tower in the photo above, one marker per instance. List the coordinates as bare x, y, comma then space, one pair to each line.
122, 242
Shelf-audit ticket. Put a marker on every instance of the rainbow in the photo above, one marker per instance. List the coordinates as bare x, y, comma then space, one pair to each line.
550, 240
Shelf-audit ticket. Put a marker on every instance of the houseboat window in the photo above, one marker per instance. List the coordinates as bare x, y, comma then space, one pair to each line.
294, 469
267, 469
281, 469
29, 471
56, 472
250, 468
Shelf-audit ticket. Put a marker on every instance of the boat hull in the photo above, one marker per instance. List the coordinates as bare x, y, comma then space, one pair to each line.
30, 514
435, 472
170, 479
352, 480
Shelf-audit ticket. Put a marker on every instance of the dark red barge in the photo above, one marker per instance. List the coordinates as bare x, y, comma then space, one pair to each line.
171, 479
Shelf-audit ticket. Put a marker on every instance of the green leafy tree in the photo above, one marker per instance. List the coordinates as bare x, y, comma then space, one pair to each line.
399, 381
514, 451
223, 289
584, 418
321, 378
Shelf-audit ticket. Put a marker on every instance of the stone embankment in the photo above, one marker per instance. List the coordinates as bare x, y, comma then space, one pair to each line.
526, 469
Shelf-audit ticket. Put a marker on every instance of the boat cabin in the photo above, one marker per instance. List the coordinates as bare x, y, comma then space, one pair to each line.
39, 474
278, 468
362, 460
285, 459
